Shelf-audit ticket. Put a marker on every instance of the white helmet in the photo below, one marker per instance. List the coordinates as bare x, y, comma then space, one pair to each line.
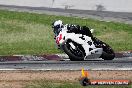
57, 25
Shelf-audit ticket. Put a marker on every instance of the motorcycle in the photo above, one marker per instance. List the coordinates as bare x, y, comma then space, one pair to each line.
80, 47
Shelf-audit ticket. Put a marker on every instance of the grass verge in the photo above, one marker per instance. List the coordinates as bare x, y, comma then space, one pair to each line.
39, 84
30, 33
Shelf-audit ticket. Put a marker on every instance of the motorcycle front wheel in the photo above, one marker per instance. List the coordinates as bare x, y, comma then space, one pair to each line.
75, 54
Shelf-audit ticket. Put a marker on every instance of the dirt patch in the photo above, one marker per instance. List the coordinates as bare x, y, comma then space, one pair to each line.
18, 79
12, 84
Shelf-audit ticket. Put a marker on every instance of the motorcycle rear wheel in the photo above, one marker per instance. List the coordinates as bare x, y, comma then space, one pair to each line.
108, 52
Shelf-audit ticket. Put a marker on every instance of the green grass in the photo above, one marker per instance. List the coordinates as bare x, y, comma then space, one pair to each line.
70, 85
30, 33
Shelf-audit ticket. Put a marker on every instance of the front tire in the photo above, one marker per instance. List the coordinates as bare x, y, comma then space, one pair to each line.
74, 55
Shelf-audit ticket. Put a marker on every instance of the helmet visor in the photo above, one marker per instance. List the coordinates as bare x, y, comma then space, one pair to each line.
57, 29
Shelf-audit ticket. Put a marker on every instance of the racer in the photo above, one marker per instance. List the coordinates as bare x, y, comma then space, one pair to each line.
58, 25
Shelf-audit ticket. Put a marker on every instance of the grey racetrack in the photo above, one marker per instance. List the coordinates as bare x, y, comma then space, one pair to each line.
93, 64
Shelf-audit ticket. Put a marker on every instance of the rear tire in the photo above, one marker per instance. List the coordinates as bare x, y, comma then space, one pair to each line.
107, 56
108, 52
79, 56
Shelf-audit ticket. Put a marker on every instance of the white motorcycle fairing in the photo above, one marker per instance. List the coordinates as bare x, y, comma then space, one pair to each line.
90, 50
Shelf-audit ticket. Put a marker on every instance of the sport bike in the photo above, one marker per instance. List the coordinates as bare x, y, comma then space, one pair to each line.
80, 47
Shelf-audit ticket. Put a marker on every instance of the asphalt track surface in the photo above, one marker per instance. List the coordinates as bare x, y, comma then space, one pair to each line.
92, 64
123, 17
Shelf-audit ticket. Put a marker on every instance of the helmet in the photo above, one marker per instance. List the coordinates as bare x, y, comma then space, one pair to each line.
57, 25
